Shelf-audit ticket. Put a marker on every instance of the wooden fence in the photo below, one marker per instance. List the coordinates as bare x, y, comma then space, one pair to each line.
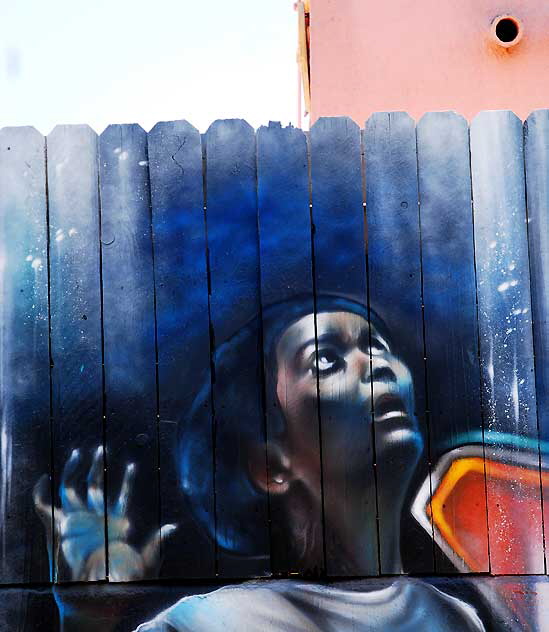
276, 353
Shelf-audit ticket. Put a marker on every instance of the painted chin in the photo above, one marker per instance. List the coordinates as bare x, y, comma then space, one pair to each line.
396, 432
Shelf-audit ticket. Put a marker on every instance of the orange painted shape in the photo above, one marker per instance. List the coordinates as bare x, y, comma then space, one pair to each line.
514, 520
458, 510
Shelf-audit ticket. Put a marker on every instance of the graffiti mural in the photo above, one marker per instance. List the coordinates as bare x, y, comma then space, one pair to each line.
274, 380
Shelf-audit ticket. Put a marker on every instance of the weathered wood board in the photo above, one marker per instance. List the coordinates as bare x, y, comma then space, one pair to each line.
395, 297
76, 339
291, 396
515, 526
130, 353
25, 430
452, 362
343, 358
242, 522
182, 314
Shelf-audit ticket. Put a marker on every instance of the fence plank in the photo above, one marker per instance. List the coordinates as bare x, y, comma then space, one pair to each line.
344, 387
536, 150
394, 274
241, 508
28, 609
451, 334
75, 299
24, 372
129, 342
506, 351
175, 165
287, 296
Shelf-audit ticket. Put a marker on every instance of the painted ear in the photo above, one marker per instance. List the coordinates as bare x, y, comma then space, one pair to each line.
269, 468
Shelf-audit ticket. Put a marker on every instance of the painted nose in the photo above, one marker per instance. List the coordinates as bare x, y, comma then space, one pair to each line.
382, 370
362, 363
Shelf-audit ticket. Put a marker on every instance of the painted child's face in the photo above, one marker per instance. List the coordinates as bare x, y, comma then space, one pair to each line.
355, 379
354, 367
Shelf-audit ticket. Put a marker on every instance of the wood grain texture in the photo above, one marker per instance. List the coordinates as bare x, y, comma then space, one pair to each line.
340, 270
241, 508
28, 609
287, 291
25, 365
536, 149
75, 299
395, 294
506, 348
449, 296
413, 257
129, 338
179, 233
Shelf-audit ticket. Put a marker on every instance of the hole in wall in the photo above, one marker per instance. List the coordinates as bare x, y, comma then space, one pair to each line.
507, 30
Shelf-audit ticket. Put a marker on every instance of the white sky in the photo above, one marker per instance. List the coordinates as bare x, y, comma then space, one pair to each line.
101, 62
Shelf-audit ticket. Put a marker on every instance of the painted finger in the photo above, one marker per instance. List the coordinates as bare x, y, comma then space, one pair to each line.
95, 483
122, 502
47, 513
70, 501
41, 496
151, 550
167, 530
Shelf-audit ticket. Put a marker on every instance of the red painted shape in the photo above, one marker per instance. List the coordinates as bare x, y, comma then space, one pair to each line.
513, 494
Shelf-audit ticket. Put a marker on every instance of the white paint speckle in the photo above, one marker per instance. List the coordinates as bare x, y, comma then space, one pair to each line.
59, 166
503, 287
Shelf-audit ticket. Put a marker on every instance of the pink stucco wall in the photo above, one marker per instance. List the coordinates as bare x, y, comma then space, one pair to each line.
422, 55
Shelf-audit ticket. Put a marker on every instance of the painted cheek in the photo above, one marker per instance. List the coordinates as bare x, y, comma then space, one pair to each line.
345, 387
403, 375
294, 390
404, 384
305, 388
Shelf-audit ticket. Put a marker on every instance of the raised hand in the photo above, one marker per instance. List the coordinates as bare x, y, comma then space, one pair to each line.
80, 526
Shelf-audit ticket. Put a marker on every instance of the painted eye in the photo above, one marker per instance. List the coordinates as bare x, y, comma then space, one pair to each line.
378, 346
329, 362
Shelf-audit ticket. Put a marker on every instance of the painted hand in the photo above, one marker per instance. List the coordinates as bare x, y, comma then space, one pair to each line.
80, 526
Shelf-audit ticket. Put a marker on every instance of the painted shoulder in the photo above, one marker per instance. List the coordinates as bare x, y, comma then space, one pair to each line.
249, 606
455, 609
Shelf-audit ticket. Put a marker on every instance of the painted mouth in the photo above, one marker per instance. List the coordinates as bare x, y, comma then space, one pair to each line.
388, 407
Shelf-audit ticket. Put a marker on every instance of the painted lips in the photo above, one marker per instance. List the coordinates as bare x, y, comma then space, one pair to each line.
388, 407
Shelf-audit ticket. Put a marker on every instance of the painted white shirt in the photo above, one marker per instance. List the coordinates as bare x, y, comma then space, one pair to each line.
404, 605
